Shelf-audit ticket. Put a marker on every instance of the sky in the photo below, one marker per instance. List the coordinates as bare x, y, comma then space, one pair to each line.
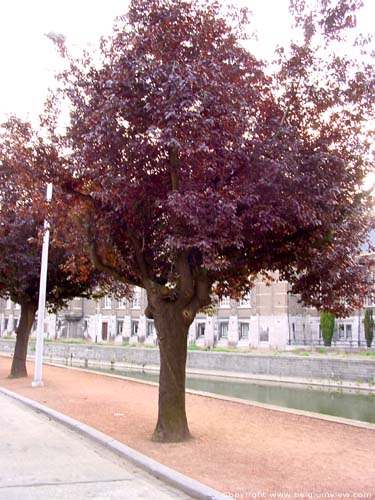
29, 61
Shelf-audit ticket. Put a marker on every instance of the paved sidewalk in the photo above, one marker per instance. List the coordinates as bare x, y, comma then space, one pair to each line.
43, 460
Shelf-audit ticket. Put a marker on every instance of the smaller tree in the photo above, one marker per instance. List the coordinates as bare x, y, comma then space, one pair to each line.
327, 325
22, 215
368, 324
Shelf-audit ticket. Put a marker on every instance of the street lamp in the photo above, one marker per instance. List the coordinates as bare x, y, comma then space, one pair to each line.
38, 382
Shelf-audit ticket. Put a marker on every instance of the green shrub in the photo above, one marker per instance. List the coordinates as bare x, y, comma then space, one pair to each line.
368, 324
327, 324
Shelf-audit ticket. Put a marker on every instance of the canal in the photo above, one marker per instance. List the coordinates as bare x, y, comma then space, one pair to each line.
352, 404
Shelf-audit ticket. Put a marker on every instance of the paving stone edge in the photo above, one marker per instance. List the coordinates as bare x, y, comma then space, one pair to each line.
184, 483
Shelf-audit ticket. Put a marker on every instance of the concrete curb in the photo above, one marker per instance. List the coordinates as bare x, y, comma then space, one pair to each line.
179, 481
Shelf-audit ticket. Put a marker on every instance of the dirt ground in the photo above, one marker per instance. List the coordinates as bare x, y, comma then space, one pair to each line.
241, 450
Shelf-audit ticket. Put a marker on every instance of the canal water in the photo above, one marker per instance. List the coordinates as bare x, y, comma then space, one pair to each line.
328, 401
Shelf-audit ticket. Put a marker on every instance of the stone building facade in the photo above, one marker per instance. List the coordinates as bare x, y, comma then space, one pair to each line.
269, 317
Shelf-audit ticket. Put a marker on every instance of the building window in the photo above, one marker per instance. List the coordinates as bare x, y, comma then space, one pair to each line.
224, 302
245, 301
341, 331
150, 328
135, 328
201, 328
15, 324
120, 326
369, 301
223, 329
348, 332
6, 320
107, 303
263, 335
122, 303
345, 331
136, 304
244, 329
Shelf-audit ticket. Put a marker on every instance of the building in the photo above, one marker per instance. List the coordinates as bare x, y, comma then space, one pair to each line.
269, 317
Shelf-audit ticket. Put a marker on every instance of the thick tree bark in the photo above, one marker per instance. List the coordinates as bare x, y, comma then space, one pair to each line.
172, 330
18, 368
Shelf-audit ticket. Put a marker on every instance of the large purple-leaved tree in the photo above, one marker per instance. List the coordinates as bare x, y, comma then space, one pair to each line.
193, 170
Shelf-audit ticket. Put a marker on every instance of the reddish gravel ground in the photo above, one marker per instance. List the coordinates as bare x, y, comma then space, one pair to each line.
241, 450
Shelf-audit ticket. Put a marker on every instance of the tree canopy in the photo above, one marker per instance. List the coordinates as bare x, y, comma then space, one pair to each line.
183, 143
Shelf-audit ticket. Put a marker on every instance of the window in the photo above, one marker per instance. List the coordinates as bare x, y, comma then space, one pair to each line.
348, 332
135, 328
345, 331
244, 329
223, 329
6, 320
341, 331
263, 335
150, 328
369, 301
245, 301
120, 326
107, 303
15, 324
136, 298
122, 303
224, 302
201, 328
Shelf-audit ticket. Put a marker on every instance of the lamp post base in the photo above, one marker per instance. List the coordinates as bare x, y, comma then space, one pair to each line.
37, 383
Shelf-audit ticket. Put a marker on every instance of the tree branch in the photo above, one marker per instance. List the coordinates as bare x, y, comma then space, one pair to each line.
174, 161
105, 268
185, 279
138, 250
201, 296
295, 88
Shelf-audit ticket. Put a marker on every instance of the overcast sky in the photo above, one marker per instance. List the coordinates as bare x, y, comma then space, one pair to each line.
28, 59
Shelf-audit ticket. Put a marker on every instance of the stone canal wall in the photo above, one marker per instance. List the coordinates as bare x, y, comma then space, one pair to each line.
280, 367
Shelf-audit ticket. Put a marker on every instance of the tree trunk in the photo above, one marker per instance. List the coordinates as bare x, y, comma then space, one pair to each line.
172, 330
18, 368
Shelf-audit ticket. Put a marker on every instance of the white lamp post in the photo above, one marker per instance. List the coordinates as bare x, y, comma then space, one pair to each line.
38, 382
